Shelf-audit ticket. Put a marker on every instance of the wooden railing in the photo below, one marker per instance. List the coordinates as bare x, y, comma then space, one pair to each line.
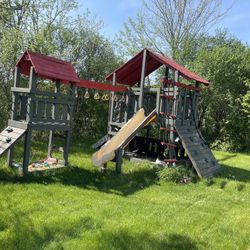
44, 108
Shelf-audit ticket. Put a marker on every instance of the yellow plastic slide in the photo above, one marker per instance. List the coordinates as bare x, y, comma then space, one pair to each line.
122, 138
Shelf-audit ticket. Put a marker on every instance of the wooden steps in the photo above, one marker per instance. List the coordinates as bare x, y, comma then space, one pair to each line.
9, 136
198, 152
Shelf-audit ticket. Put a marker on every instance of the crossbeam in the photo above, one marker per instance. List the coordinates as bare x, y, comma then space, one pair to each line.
100, 86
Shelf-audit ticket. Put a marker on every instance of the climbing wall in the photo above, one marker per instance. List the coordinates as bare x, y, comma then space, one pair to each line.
198, 152
9, 136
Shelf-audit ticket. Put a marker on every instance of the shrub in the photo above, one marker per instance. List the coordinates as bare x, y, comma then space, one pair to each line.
179, 174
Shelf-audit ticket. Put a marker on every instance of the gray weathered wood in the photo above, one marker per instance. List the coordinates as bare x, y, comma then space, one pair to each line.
30, 103
26, 154
17, 76
17, 124
50, 143
118, 156
198, 152
50, 126
111, 104
20, 90
142, 81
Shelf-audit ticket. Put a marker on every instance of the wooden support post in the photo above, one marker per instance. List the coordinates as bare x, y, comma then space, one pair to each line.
175, 93
158, 99
68, 132
184, 107
30, 102
54, 112
118, 157
142, 82
26, 154
10, 156
126, 108
50, 146
66, 147
14, 112
111, 104
195, 104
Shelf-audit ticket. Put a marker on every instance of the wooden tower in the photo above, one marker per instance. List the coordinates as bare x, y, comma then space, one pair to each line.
175, 99
40, 109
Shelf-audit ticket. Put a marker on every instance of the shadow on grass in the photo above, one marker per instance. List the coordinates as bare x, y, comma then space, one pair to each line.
227, 157
109, 182
26, 234
234, 173
122, 240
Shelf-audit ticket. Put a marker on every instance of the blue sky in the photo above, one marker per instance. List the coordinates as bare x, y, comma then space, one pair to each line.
115, 12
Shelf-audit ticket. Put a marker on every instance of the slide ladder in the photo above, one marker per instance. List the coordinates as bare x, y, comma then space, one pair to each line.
197, 150
9, 136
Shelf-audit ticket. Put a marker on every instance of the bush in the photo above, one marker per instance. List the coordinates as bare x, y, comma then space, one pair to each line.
179, 174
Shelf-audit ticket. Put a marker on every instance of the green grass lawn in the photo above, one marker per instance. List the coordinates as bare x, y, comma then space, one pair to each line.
82, 208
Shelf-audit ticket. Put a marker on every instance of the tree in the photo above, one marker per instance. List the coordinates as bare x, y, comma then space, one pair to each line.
48, 27
170, 26
224, 113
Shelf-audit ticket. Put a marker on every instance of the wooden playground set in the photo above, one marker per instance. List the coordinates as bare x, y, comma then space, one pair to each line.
156, 121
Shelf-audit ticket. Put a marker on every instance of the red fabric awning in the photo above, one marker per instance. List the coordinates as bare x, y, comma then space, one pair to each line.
100, 86
47, 67
130, 72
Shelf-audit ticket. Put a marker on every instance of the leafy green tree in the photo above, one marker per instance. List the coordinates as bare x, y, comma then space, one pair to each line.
48, 27
224, 112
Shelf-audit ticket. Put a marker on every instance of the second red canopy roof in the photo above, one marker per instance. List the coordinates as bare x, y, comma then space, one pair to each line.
130, 72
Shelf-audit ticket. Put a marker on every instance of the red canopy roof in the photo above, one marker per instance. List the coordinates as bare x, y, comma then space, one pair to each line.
47, 67
130, 72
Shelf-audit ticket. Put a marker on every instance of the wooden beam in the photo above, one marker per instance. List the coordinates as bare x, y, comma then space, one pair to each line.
26, 154
14, 106
50, 126
118, 157
17, 124
142, 82
111, 104
69, 132
54, 111
30, 103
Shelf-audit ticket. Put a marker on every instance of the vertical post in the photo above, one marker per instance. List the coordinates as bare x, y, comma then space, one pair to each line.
184, 107
54, 112
126, 107
118, 165
30, 113
175, 93
69, 132
111, 104
26, 154
30, 102
195, 104
14, 111
158, 93
142, 82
